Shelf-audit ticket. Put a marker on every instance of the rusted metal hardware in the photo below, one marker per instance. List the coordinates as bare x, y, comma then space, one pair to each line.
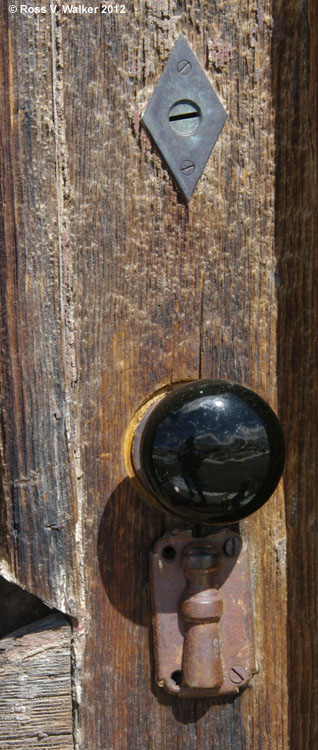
184, 117
202, 614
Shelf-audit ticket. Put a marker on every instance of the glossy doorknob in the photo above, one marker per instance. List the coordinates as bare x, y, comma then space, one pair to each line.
211, 451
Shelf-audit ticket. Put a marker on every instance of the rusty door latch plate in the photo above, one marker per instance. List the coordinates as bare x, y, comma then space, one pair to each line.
184, 117
202, 614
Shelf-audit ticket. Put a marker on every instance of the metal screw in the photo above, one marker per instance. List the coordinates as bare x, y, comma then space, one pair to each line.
187, 166
237, 674
233, 546
184, 67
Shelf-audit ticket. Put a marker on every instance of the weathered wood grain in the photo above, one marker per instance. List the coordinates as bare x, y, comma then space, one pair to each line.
35, 687
167, 292
295, 83
39, 514
128, 289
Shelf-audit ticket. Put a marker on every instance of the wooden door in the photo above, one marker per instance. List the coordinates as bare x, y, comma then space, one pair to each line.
113, 287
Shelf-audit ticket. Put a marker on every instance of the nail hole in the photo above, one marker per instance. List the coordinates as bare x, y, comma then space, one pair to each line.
169, 553
177, 676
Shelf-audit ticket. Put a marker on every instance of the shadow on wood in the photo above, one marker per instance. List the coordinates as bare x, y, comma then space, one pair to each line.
18, 607
123, 549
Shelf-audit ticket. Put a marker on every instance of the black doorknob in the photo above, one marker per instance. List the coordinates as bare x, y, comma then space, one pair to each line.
210, 451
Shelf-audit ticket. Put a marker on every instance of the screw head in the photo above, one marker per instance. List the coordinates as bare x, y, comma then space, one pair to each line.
238, 674
233, 546
184, 67
187, 166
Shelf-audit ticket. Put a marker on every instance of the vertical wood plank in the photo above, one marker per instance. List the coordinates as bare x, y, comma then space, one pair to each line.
165, 292
39, 512
295, 86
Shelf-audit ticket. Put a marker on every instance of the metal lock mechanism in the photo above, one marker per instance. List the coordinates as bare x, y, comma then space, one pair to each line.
202, 625
209, 452
184, 117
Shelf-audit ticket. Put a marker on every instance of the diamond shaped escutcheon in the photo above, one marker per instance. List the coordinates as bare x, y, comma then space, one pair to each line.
184, 117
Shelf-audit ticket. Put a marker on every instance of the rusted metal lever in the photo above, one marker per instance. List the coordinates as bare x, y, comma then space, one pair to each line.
202, 614
201, 609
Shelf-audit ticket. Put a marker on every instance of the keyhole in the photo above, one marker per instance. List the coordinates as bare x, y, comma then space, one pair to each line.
184, 117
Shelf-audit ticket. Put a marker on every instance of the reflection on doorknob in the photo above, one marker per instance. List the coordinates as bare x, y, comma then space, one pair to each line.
210, 451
